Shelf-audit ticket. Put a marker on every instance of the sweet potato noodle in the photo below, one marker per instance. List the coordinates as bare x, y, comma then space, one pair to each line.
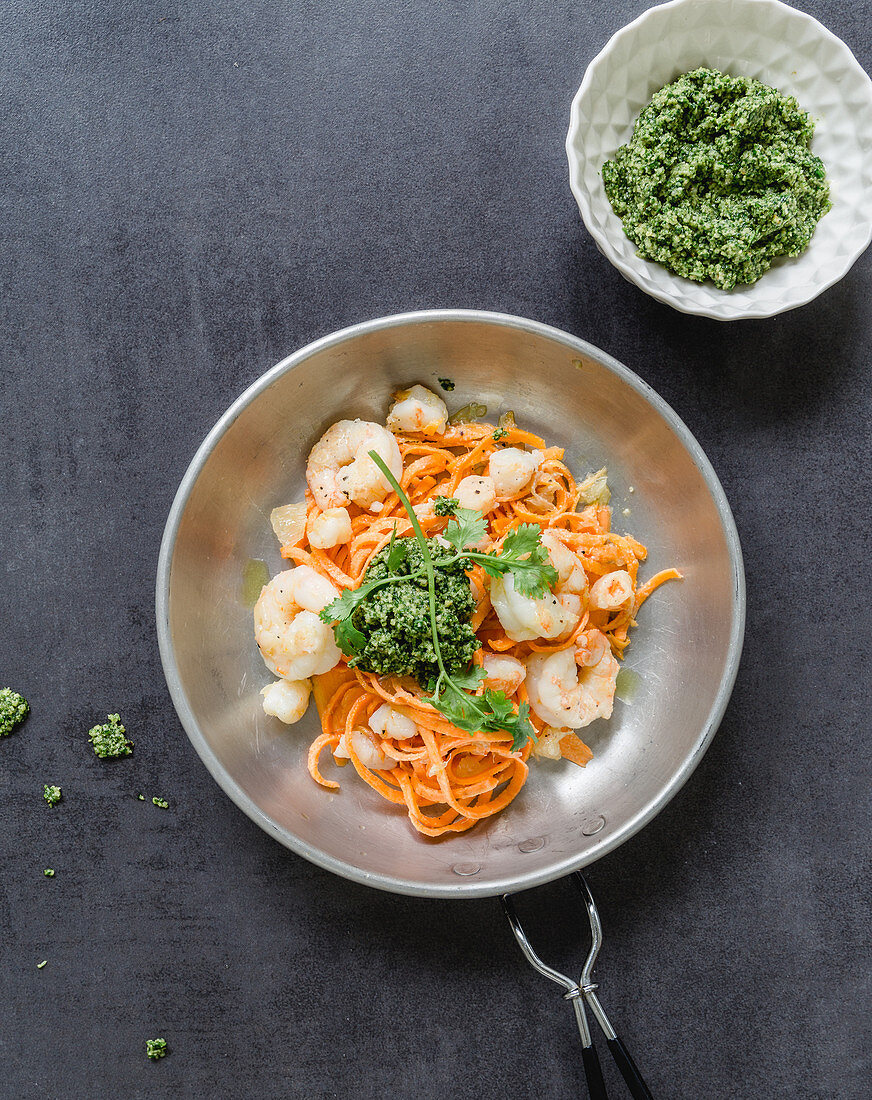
446, 778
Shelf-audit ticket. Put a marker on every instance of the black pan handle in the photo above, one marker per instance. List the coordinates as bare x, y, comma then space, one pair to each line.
593, 1073
635, 1083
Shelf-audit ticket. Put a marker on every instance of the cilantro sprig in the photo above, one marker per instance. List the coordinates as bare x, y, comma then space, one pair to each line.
521, 556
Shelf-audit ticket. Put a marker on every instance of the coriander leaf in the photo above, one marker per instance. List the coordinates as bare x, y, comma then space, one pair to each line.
524, 557
492, 712
349, 639
341, 607
523, 540
504, 717
339, 612
523, 729
396, 552
469, 679
500, 707
534, 576
466, 528
461, 709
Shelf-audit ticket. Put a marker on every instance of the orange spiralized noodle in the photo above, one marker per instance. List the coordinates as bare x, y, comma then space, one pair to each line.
448, 779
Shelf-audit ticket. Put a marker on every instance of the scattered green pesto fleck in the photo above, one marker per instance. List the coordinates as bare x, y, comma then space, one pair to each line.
445, 506
52, 795
155, 1048
14, 708
39, 966
108, 738
162, 802
718, 179
255, 574
499, 434
48, 872
395, 620
446, 384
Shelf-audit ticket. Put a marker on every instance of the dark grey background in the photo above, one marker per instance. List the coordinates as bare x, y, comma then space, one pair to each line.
190, 192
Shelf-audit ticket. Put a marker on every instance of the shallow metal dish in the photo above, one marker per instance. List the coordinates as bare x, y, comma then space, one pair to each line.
685, 651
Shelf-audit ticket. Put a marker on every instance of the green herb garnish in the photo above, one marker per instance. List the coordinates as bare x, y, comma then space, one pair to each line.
52, 795
499, 434
49, 872
446, 384
396, 554
522, 555
39, 966
160, 802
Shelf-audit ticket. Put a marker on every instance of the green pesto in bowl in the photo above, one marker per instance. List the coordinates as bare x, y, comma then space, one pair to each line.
718, 179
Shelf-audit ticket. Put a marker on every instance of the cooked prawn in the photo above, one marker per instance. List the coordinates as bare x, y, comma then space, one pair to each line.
387, 721
287, 700
611, 591
504, 672
329, 529
552, 616
476, 492
547, 745
368, 753
418, 410
511, 468
569, 697
292, 639
340, 469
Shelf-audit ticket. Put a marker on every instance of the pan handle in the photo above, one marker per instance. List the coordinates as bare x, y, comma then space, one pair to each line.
593, 1074
635, 1082
578, 993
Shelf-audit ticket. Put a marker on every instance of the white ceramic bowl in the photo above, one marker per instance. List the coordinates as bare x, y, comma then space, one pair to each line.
760, 38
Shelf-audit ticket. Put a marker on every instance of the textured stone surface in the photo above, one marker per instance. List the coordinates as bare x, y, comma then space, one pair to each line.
192, 191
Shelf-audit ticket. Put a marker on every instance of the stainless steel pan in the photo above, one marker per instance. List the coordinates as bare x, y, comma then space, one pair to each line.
685, 652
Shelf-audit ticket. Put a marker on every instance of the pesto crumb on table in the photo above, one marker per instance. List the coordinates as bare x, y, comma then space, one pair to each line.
718, 179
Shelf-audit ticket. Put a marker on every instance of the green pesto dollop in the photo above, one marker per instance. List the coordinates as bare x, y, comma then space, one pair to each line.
718, 179
395, 619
